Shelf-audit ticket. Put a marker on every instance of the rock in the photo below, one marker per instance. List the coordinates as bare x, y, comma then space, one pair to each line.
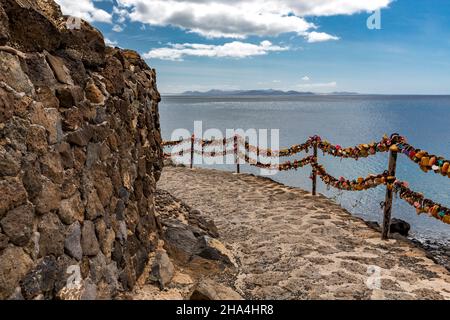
4, 26
18, 224
11, 72
13, 194
111, 277
44, 95
94, 207
52, 232
89, 241
197, 218
37, 139
51, 167
16, 295
97, 267
210, 290
162, 269
80, 137
72, 243
49, 198
180, 241
9, 166
66, 153
53, 125
72, 209
108, 242
93, 93
399, 226
3, 241
90, 291
59, 69
14, 265
35, 37
38, 70
213, 249
88, 42
41, 279
69, 96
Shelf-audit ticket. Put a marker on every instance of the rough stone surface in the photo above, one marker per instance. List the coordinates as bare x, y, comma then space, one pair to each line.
89, 241
399, 226
52, 232
79, 131
14, 265
72, 244
210, 290
18, 224
163, 269
314, 250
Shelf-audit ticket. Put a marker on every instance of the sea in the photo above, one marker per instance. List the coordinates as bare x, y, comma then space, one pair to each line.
344, 120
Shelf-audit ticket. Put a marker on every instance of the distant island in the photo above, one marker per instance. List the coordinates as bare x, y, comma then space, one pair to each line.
268, 92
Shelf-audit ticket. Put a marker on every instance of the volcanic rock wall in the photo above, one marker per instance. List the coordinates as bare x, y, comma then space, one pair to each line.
80, 154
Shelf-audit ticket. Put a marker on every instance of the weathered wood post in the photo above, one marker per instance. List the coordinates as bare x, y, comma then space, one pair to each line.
389, 196
236, 155
224, 150
314, 173
192, 150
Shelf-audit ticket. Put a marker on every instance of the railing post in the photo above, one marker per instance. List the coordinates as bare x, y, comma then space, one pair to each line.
314, 173
236, 155
192, 150
389, 197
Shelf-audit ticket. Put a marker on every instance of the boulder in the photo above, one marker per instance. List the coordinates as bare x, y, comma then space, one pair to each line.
162, 269
180, 241
399, 226
210, 290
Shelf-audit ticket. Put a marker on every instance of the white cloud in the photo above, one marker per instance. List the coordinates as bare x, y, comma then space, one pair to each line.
242, 18
84, 9
117, 28
110, 43
319, 37
305, 78
235, 49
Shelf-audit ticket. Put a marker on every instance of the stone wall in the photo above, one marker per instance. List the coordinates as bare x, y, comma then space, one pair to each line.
80, 154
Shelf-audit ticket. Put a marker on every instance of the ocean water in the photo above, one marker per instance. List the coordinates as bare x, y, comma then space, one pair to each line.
343, 120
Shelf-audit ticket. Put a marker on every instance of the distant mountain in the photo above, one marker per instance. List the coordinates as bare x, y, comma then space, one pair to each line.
268, 92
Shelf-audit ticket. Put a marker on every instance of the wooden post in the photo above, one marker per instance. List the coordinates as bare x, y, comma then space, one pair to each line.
192, 150
224, 153
314, 173
236, 154
389, 197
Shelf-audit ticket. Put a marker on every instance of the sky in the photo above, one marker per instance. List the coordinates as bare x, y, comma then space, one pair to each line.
365, 46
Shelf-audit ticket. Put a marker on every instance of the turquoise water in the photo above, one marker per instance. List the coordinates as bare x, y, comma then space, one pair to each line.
344, 120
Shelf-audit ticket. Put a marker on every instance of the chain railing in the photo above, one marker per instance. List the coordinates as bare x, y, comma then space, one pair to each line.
395, 144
